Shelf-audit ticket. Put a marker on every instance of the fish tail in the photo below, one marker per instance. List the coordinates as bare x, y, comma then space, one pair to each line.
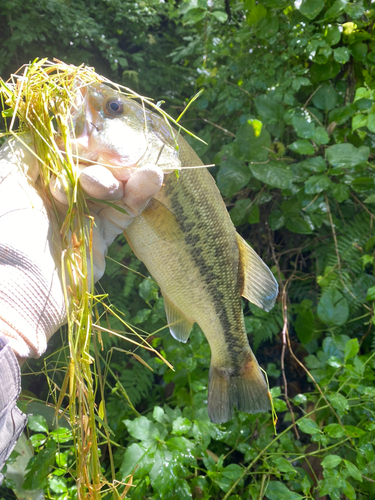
244, 388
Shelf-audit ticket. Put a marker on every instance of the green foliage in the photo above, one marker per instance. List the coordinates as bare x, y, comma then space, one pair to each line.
288, 114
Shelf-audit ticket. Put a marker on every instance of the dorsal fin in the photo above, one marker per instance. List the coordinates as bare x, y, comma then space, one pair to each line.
259, 284
179, 325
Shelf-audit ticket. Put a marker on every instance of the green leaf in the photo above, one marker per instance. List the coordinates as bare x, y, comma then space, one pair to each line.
331, 461
37, 423
143, 429
148, 290
346, 155
232, 176
256, 14
311, 8
254, 216
333, 308
278, 491
336, 9
340, 191
349, 491
341, 55
351, 348
359, 51
363, 93
58, 484
273, 175
308, 426
371, 293
338, 401
359, 121
332, 35
371, 122
325, 98
341, 115
317, 183
283, 465
353, 471
138, 458
320, 72
251, 147
269, 110
304, 326
334, 430
240, 211
302, 147
303, 128
181, 426
220, 15
299, 225
39, 469
276, 220
320, 136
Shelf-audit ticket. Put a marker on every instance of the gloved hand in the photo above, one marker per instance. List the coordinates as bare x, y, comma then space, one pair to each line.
32, 303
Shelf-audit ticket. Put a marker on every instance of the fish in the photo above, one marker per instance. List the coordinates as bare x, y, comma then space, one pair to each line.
188, 243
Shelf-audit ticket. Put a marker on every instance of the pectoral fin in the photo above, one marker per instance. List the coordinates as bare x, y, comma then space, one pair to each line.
179, 325
259, 284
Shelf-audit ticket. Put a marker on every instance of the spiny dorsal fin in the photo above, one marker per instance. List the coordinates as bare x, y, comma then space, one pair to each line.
259, 284
179, 325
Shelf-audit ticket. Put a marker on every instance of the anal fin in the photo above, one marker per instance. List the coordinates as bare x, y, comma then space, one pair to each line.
179, 325
259, 284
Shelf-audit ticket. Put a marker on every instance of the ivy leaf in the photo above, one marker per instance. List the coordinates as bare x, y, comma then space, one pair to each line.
341, 115
346, 155
333, 308
277, 491
273, 175
302, 147
320, 136
39, 469
283, 465
138, 458
181, 426
311, 8
331, 461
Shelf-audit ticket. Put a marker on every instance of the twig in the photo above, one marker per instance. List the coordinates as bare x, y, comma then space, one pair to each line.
284, 332
218, 126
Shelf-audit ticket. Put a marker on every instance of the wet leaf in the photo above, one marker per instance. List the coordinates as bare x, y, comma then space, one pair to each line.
331, 461
308, 426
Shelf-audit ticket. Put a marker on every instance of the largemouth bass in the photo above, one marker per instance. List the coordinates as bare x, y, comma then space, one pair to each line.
190, 246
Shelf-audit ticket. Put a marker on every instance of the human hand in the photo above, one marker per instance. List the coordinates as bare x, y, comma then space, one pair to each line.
32, 305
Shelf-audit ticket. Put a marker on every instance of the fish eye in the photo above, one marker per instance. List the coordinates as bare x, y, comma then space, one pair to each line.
114, 107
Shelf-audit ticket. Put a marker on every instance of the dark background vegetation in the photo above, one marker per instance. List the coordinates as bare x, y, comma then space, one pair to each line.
288, 115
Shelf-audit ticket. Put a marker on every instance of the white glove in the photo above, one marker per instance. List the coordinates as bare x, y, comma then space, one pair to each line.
32, 303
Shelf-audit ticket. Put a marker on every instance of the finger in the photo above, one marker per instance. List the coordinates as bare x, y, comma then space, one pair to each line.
142, 185
98, 182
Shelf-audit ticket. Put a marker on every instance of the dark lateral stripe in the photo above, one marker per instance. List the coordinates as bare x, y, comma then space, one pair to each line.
214, 260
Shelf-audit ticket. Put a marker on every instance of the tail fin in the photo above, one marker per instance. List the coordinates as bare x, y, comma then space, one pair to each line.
245, 388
